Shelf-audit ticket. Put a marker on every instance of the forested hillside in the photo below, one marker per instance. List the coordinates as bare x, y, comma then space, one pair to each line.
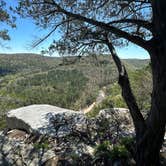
70, 82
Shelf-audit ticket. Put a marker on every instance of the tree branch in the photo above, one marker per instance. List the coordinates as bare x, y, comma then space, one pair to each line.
49, 34
127, 93
142, 23
120, 33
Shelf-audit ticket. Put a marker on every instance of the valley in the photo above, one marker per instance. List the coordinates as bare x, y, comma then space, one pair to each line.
69, 82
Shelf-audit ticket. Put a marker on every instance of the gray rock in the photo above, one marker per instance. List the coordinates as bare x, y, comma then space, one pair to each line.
46, 120
121, 116
17, 152
52, 134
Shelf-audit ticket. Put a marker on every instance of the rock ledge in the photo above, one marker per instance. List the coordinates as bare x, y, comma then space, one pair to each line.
38, 118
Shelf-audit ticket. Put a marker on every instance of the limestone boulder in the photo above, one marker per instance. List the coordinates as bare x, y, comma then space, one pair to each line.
46, 120
112, 124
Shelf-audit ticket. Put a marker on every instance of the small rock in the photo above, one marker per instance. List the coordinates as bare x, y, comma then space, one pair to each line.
51, 162
17, 134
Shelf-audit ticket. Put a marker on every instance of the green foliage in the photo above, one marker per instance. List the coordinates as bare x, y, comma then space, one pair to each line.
108, 153
56, 87
33, 79
118, 101
136, 64
119, 151
115, 96
2, 123
41, 145
103, 147
5, 18
102, 153
141, 84
87, 98
26, 63
127, 141
106, 103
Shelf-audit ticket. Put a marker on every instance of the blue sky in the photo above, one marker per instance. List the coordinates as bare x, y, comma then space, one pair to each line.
26, 32
24, 35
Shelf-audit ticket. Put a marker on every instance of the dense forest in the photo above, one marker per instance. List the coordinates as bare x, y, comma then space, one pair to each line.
70, 82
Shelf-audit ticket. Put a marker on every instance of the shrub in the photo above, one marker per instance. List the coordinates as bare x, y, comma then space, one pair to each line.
108, 154
118, 152
102, 153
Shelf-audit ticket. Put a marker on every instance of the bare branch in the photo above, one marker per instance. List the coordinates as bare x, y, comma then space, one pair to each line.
120, 33
142, 23
127, 93
49, 34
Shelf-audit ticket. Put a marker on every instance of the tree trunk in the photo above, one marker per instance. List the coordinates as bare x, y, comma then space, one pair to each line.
149, 145
149, 134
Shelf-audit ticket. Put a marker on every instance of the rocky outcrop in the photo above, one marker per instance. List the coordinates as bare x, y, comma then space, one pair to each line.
59, 122
46, 120
118, 118
45, 135
17, 149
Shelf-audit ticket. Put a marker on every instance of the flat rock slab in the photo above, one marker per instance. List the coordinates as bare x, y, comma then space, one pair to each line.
38, 118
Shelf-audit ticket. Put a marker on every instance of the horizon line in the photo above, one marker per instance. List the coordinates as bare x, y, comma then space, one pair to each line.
52, 56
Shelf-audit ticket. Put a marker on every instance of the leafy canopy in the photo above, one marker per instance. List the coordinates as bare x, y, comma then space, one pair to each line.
6, 21
84, 24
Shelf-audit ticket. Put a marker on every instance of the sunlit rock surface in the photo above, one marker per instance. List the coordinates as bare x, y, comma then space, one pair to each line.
44, 135
46, 120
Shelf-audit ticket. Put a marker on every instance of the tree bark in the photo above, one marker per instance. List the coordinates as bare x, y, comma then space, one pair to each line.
149, 142
149, 146
127, 93
149, 134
